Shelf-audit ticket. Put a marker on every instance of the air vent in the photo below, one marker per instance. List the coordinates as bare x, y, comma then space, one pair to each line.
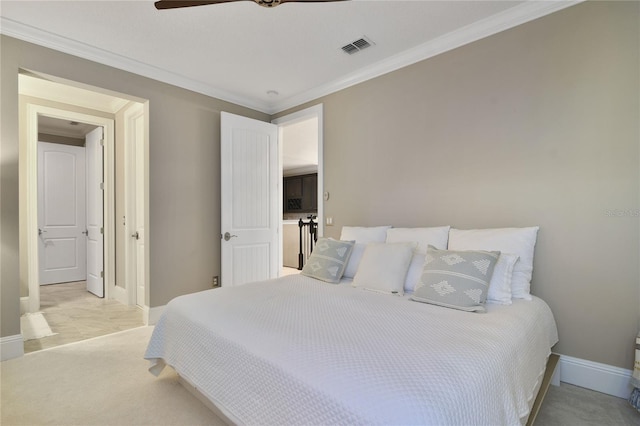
358, 45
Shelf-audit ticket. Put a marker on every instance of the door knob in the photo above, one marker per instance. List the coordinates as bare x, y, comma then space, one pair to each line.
40, 231
136, 235
228, 236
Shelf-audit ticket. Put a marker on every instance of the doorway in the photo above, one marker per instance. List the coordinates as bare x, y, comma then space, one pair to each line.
44, 98
301, 171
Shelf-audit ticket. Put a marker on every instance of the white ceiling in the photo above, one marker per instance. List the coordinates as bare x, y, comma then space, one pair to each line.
240, 51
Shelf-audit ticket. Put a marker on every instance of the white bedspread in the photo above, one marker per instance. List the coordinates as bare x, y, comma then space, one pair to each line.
299, 351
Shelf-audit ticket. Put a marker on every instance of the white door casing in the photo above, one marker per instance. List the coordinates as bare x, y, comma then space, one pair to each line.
317, 112
29, 264
135, 203
249, 200
95, 213
61, 213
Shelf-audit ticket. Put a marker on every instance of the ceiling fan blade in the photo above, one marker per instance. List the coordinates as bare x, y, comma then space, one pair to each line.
308, 1
175, 4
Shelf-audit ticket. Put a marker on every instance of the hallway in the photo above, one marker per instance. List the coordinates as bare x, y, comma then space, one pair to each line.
75, 314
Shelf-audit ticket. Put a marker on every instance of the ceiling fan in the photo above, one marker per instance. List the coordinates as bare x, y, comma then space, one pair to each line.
174, 4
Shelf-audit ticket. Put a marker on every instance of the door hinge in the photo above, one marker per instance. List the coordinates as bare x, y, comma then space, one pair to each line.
101, 274
101, 142
102, 185
102, 230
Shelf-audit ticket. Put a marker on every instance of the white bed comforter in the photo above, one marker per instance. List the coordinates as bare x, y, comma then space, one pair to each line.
299, 351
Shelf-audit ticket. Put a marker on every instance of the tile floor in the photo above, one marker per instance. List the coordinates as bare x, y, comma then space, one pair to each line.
75, 314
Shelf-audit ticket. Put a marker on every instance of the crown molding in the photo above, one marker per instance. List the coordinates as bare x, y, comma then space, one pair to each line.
494, 24
43, 38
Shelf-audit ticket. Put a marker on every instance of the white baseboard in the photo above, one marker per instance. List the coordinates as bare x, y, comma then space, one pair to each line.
24, 305
11, 347
152, 315
595, 376
119, 294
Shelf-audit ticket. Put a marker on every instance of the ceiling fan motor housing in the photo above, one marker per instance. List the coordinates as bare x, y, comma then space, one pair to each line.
268, 3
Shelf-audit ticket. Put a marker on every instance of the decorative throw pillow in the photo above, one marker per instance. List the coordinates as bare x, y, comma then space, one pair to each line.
520, 241
500, 285
456, 279
436, 236
383, 267
362, 235
328, 260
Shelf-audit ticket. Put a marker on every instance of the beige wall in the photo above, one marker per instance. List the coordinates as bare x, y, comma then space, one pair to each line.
184, 173
537, 125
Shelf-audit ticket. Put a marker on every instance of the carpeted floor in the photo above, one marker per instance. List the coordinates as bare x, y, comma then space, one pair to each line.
101, 381
104, 381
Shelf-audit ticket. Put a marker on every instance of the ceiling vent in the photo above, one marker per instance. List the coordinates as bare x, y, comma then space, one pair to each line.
358, 45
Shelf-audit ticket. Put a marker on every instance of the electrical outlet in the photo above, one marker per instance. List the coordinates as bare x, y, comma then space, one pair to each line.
215, 282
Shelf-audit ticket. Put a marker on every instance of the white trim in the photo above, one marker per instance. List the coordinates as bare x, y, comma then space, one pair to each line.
120, 294
29, 147
595, 376
499, 22
152, 315
24, 305
11, 347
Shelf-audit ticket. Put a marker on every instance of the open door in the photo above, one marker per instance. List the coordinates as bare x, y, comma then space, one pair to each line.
249, 200
95, 213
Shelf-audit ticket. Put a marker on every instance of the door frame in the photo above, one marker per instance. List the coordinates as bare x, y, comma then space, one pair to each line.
315, 111
132, 166
31, 205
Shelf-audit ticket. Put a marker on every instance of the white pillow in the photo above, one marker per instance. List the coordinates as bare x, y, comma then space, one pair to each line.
519, 241
362, 235
383, 267
354, 260
436, 236
500, 284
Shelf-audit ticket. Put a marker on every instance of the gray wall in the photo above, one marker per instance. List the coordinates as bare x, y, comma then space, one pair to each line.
184, 173
537, 125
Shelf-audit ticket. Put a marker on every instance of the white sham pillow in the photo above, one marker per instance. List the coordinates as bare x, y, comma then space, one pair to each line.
362, 235
519, 241
436, 236
383, 267
500, 285
354, 260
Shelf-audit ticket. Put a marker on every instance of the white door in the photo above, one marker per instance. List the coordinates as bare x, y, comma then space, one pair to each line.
61, 213
95, 213
249, 197
138, 202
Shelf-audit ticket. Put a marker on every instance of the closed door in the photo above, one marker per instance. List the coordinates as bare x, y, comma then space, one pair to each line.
95, 213
61, 213
250, 200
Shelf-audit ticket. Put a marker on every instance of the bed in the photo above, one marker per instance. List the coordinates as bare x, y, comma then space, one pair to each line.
297, 350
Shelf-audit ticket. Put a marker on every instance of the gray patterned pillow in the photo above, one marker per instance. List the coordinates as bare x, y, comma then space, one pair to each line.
328, 260
456, 279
